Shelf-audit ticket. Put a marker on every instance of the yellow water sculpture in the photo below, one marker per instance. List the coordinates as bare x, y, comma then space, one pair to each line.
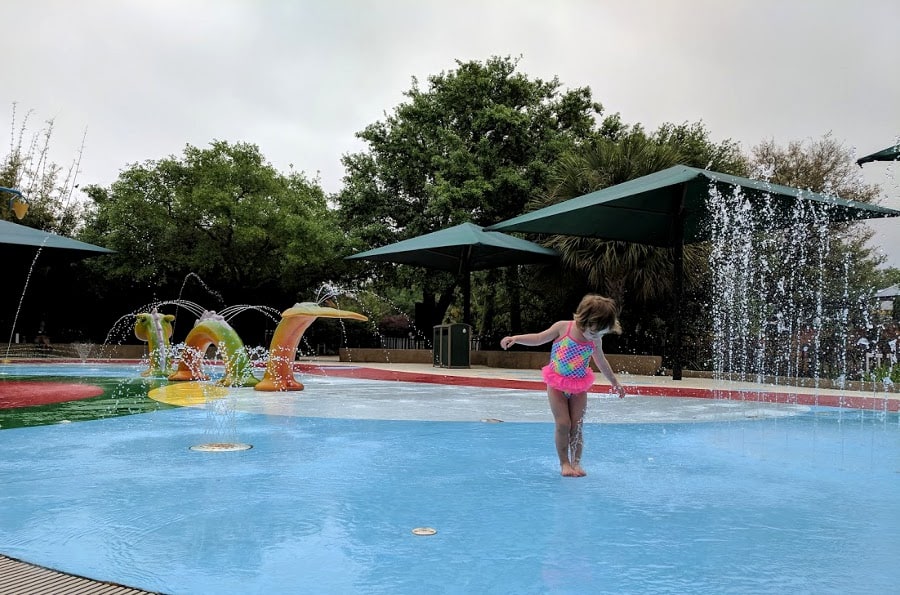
156, 329
279, 374
211, 329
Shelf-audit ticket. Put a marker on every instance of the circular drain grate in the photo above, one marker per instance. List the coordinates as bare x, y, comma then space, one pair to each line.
424, 531
221, 447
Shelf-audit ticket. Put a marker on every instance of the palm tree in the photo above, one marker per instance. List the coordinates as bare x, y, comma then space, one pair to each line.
614, 268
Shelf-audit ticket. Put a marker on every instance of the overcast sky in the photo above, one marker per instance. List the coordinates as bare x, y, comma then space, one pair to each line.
299, 78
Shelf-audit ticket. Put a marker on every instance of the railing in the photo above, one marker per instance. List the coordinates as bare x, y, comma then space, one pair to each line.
82, 351
413, 343
404, 343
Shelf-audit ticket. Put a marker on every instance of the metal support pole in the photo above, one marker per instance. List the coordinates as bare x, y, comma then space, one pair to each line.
678, 283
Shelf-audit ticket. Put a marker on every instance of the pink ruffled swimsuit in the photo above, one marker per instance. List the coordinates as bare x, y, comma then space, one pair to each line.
569, 369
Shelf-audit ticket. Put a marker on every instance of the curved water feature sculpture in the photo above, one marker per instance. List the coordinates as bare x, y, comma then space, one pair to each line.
156, 329
212, 329
279, 374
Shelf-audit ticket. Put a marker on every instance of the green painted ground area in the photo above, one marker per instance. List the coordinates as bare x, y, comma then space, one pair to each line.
120, 397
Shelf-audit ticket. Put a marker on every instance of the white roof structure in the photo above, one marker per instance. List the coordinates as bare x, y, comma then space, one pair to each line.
890, 292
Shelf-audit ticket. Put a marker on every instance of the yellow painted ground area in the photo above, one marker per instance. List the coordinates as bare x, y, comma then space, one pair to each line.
187, 394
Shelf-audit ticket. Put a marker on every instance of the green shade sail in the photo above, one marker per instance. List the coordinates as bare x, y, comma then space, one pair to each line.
670, 207
460, 250
13, 236
465, 247
889, 154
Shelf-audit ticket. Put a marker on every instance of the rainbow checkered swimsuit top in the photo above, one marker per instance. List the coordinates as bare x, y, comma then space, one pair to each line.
569, 369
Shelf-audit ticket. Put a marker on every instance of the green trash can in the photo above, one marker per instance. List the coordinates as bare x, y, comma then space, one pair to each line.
451, 345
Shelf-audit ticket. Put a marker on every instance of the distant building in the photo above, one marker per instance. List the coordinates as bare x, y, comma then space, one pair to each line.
886, 298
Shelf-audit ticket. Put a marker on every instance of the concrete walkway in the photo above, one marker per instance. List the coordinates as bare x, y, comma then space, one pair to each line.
634, 384
422, 392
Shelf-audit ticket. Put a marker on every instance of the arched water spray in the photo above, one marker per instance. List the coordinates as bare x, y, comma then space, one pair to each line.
370, 304
230, 312
203, 284
207, 288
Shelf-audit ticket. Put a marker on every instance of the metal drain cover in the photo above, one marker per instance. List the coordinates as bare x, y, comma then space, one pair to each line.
221, 447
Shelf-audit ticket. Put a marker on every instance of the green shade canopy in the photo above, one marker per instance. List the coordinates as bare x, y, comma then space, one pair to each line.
647, 210
461, 249
889, 154
670, 208
15, 237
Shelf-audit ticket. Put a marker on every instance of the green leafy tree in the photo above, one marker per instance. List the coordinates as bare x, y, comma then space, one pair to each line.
887, 277
471, 146
697, 149
222, 213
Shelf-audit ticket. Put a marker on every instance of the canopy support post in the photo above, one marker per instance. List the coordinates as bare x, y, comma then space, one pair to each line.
466, 274
467, 297
678, 283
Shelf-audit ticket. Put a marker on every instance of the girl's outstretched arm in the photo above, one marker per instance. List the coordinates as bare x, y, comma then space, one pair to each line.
533, 339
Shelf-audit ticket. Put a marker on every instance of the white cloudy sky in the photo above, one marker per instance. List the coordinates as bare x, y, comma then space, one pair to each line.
143, 78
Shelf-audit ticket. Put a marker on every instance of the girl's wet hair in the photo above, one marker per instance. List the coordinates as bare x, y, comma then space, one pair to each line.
599, 313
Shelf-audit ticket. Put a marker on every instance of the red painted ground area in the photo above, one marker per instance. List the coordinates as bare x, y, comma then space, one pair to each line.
30, 394
855, 402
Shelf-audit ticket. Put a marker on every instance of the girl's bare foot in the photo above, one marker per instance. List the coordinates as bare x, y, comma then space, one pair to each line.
567, 470
579, 472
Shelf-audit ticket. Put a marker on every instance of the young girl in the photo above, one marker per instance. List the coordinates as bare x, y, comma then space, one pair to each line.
569, 375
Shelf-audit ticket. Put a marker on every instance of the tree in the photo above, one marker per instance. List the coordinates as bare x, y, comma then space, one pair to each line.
473, 146
827, 167
824, 165
638, 277
816, 280
611, 267
221, 213
887, 277
47, 186
48, 190
696, 148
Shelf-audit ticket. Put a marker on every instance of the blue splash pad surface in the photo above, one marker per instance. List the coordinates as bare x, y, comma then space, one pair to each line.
102, 370
799, 504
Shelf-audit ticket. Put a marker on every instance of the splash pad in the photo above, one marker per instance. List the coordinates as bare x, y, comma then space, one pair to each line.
339, 476
338, 480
